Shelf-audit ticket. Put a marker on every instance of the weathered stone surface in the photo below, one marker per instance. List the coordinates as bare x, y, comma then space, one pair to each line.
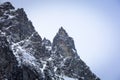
14, 28
25, 56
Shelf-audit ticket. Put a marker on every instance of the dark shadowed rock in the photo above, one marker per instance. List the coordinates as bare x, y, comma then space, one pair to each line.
25, 56
6, 6
64, 44
65, 53
17, 30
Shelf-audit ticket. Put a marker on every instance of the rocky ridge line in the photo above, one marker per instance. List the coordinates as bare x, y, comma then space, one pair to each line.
25, 56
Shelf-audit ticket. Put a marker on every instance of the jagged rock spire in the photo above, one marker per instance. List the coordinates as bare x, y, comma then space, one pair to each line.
64, 45
6, 6
63, 37
62, 32
66, 54
25, 56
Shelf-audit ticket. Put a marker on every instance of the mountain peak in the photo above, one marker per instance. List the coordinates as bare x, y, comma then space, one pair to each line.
62, 32
6, 6
25, 56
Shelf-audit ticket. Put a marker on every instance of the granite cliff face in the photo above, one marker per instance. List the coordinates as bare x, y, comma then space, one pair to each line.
25, 56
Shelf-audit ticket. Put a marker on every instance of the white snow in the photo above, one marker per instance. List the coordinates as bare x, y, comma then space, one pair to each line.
55, 68
10, 16
5, 79
25, 57
44, 65
8, 27
22, 56
12, 10
48, 47
74, 50
31, 35
49, 59
68, 78
2, 33
82, 78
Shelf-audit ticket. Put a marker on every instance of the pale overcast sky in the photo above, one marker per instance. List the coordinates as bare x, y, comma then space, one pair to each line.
94, 25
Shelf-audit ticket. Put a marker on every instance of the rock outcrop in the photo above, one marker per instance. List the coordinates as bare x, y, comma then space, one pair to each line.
25, 56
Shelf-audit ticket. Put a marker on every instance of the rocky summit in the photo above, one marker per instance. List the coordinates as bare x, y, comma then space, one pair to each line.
24, 55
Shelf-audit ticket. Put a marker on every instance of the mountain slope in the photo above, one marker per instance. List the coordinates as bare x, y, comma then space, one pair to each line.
25, 56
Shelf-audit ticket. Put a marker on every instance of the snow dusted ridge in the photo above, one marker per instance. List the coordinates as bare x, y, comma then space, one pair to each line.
22, 55
25, 56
